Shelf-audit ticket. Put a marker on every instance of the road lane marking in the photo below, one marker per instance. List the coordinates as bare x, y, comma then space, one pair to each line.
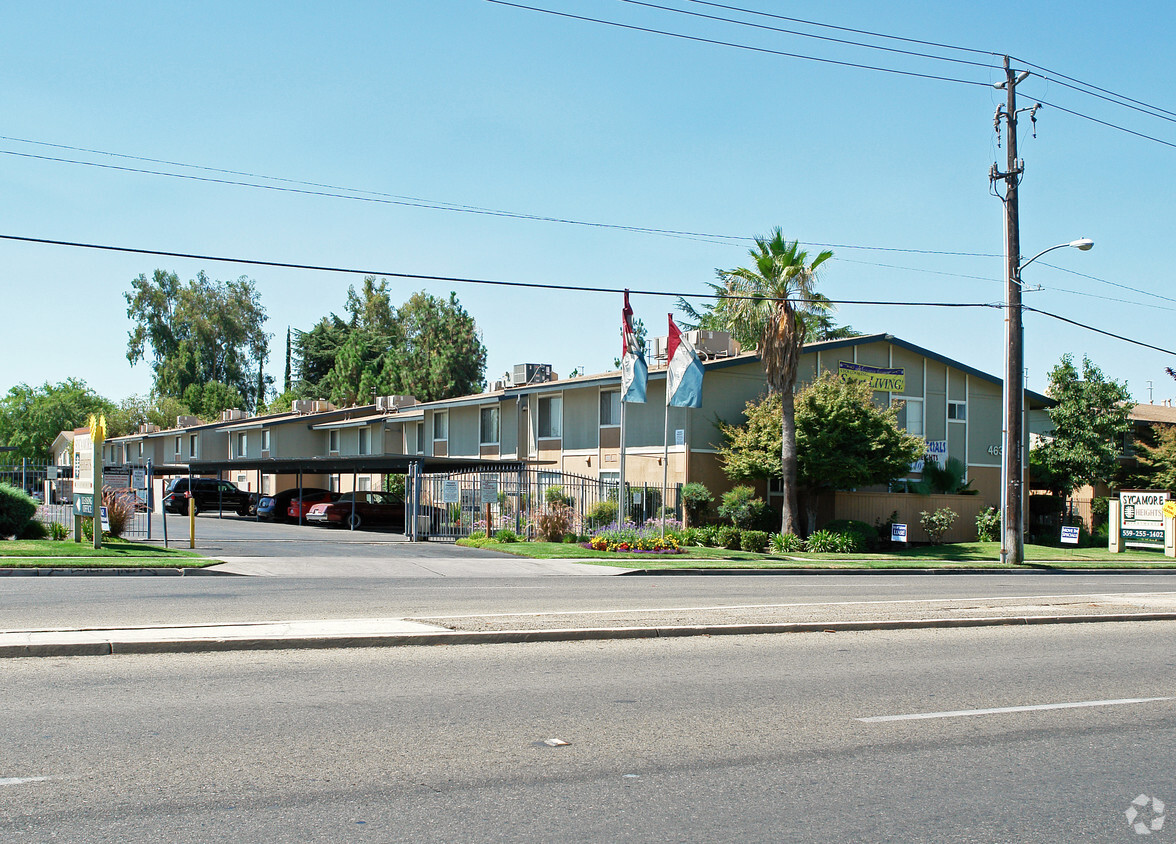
22, 780
1001, 710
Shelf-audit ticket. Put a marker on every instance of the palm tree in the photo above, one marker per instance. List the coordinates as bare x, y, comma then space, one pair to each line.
777, 301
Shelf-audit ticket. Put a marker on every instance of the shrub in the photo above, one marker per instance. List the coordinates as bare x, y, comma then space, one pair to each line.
741, 506
58, 532
555, 523
727, 536
753, 540
696, 500
786, 543
603, 512
707, 536
554, 495
120, 510
824, 542
88, 528
938, 523
1099, 511
506, 535
988, 524
34, 529
866, 535
17, 509
690, 537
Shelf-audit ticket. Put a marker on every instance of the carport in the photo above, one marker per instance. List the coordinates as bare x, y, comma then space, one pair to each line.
412, 466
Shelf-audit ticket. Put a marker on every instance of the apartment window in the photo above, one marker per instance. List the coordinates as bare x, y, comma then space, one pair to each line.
333, 482
140, 449
365, 445
365, 483
179, 446
265, 440
242, 444
192, 441
441, 425
333, 443
420, 438
910, 416
551, 417
957, 410
489, 426
610, 407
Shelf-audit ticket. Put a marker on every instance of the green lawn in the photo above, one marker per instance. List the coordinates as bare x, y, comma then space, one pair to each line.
114, 552
959, 555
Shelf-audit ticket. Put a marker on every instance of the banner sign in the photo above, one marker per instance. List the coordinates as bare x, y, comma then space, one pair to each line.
83, 465
936, 452
1142, 517
891, 380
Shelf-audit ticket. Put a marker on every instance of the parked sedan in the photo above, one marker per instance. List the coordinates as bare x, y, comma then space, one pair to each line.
297, 507
277, 506
360, 508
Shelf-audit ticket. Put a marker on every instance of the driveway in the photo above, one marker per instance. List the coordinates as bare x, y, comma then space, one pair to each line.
249, 547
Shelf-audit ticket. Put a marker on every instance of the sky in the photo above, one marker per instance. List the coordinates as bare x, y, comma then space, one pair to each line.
375, 137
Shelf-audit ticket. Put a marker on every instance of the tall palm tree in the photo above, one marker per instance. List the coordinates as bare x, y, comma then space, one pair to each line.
777, 299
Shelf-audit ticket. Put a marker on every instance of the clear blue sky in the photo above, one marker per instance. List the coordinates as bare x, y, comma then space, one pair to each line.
476, 104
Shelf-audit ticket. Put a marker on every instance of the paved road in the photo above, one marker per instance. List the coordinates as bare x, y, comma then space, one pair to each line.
743, 739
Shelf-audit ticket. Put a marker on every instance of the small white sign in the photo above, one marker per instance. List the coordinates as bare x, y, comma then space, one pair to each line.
83, 464
489, 491
898, 533
105, 520
1070, 535
679, 436
138, 479
450, 492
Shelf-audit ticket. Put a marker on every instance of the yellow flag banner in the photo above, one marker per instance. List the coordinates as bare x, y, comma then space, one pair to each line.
891, 380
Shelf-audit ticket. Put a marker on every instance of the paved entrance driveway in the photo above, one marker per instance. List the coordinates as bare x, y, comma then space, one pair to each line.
263, 548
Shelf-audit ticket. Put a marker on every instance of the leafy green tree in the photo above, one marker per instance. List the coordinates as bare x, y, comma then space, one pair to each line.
209, 399
135, 410
199, 332
32, 417
1090, 419
442, 355
1155, 456
843, 440
775, 302
314, 355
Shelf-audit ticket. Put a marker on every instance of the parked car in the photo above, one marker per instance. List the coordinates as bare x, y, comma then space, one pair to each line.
360, 508
209, 494
276, 506
308, 501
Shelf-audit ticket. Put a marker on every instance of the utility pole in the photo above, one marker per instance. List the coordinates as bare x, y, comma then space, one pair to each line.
1012, 447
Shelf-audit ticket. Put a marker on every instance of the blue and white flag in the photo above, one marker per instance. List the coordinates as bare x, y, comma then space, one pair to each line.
634, 372
684, 375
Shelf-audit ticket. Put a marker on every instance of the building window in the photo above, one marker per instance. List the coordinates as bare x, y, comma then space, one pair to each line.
441, 425
420, 438
265, 440
365, 483
140, 449
333, 481
610, 407
365, 446
179, 447
910, 416
242, 444
267, 484
489, 426
333, 443
957, 410
551, 417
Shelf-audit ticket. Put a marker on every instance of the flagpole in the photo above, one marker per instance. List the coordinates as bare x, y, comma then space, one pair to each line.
621, 510
665, 457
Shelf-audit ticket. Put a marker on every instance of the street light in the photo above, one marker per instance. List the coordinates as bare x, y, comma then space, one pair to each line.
1012, 515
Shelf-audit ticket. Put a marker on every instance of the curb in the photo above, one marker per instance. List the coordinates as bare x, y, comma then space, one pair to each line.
113, 571
161, 646
711, 572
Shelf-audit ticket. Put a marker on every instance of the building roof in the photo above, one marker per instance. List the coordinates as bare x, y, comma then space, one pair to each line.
1161, 413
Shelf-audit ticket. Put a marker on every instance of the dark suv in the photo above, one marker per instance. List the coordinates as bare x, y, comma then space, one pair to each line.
209, 494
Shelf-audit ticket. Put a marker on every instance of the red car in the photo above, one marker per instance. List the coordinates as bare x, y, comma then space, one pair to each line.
370, 508
309, 499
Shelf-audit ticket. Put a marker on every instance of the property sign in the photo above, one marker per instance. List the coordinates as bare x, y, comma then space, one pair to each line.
138, 478
489, 491
898, 533
104, 519
83, 504
450, 492
1142, 517
1169, 509
1070, 536
892, 380
83, 464
936, 452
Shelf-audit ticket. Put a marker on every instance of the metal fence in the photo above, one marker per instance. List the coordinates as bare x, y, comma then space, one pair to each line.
52, 486
450, 505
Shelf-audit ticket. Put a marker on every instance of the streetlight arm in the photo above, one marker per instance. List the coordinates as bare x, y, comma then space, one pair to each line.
1084, 243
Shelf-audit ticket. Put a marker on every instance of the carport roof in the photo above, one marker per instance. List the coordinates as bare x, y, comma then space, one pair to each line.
394, 463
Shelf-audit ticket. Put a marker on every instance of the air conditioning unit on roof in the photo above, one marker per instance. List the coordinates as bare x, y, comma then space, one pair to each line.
302, 405
531, 373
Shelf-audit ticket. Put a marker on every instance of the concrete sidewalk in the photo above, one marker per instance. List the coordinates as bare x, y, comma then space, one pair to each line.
602, 624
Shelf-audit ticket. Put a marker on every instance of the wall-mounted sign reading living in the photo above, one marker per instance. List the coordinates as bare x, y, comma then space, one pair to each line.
1142, 514
891, 380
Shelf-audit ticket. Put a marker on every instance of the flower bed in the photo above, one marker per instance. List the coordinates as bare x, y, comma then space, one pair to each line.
633, 538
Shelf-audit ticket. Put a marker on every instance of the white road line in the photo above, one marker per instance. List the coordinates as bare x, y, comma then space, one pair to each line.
22, 780
961, 713
812, 604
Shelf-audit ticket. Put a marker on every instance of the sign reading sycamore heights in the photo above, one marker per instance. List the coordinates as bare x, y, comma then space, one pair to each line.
1142, 515
891, 380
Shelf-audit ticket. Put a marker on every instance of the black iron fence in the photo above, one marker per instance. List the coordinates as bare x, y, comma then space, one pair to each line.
52, 487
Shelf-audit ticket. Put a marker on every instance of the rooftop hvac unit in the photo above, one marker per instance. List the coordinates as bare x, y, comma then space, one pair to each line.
302, 405
531, 373
232, 414
320, 406
187, 421
148, 428
386, 403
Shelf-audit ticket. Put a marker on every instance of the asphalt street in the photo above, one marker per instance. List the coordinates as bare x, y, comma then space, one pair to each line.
729, 739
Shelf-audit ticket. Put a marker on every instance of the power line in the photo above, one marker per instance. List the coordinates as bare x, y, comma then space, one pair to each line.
1103, 123
716, 42
805, 34
1093, 87
1099, 330
1111, 283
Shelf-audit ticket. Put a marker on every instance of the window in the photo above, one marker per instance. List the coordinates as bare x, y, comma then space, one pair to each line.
365, 483
441, 425
551, 417
333, 444
140, 449
910, 416
365, 436
333, 481
610, 407
420, 437
489, 426
242, 444
265, 440
957, 410
192, 441
179, 446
